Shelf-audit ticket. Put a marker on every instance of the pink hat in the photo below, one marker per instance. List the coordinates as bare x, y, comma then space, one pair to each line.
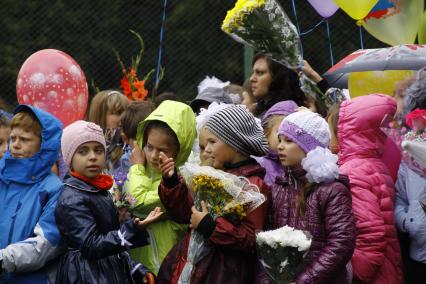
79, 133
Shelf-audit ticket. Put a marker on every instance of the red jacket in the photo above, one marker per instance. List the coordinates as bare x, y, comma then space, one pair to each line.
377, 256
233, 257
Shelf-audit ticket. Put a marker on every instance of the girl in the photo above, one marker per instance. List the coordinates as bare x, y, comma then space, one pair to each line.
270, 122
87, 217
360, 144
312, 197
105, 110
247, 97
169, 129
232, 135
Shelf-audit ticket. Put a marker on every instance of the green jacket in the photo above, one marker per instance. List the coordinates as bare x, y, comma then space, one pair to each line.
143, 182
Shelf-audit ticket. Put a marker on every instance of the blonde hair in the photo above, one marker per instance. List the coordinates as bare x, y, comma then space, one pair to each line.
106, 102
333, 117
270, 122
27, 121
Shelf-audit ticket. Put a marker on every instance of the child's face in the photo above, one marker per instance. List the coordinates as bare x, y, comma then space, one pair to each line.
219, 152
113, 121
273, 137
248, 101
159, 141
202, 143
89, 159
290, 154
23, 144
4, 137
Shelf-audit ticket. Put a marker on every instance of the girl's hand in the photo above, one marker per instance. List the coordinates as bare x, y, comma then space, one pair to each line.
153, 216
167, 165
138, 156
197, 216
123, 215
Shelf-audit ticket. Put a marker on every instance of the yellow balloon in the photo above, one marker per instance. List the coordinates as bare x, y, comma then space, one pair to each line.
400, 25
375, 82
357, 9
422, 30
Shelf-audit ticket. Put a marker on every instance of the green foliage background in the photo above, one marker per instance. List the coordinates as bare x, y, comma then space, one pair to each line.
194, 45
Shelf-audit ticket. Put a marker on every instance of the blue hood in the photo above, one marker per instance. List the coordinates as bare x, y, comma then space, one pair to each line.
38, 166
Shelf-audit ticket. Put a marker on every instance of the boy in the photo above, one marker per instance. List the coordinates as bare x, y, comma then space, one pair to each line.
4, 134
29, 236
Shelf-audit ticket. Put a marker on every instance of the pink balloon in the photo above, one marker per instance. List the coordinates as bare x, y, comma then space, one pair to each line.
326, 8
53, 81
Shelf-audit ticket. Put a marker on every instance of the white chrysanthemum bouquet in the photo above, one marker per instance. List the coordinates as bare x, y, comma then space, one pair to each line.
281, 252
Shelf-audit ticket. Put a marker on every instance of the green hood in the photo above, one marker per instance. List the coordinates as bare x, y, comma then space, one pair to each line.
181, 119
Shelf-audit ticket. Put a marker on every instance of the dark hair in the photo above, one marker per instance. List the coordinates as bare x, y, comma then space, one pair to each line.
133, 115
284, 86
164, 97
157, 124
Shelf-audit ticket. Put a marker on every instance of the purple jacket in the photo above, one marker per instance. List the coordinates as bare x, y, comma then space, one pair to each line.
329, 219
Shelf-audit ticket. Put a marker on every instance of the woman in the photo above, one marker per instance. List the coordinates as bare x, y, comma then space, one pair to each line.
272, 82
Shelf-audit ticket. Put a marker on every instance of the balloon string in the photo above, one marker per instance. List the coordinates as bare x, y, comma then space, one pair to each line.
329, 42
312, 29
293, 4
361, 38
160, 49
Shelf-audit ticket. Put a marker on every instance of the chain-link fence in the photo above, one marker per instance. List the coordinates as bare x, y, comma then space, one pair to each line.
194, 45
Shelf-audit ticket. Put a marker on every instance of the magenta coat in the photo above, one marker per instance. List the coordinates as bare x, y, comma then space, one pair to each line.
377, 256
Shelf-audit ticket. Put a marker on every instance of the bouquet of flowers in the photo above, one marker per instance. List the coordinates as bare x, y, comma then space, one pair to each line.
226, 195
123, 200
264, 25
282, 251
133, 88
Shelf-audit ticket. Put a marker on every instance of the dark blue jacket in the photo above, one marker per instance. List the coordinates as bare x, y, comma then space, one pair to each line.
88, 221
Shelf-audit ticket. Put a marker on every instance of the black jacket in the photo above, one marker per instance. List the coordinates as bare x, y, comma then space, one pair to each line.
88, 221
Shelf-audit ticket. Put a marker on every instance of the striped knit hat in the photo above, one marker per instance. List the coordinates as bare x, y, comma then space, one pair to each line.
237, 127
307, 129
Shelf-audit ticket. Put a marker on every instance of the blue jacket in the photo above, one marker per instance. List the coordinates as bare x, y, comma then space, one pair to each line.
410, 217
29, 237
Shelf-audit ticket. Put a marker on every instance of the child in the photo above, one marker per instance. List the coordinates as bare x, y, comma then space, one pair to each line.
169, 129
247, 97
270, 122
232, 135
4, 134
360, 144
312, 197
105, 110
87, 217
410, 204
29, 237
136, 112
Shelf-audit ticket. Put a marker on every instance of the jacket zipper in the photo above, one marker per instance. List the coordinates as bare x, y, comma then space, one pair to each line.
12, 225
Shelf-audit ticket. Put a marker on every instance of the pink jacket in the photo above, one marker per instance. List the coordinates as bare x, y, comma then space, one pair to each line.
377, 256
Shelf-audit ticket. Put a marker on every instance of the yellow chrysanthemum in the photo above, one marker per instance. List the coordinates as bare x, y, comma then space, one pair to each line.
235, 17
